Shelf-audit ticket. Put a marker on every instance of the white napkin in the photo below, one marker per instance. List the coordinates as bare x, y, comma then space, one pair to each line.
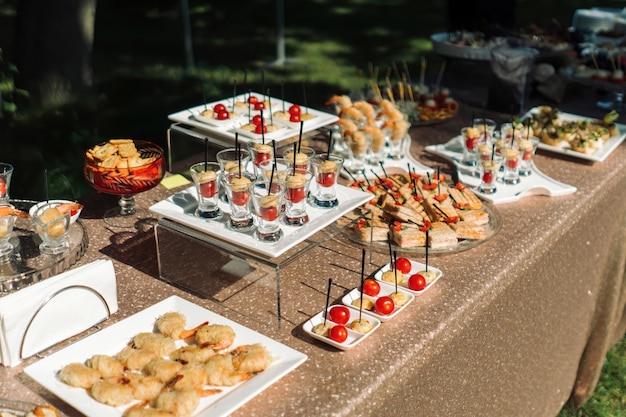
44, 314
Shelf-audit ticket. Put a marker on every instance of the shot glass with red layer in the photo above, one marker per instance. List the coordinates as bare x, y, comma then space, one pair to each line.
296, 193
259, 152
527, 148
267, 201
512, 157
488, 171
206, 178
326, 169
238, 191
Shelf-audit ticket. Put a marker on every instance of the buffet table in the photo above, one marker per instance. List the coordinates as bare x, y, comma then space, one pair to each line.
516, 326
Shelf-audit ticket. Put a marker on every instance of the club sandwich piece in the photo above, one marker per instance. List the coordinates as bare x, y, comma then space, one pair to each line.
441, 236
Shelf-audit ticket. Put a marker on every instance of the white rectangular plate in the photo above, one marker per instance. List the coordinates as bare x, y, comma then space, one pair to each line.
598, 156
181, 207
354, 338
415, 268
535, 184
112, 339
228, 130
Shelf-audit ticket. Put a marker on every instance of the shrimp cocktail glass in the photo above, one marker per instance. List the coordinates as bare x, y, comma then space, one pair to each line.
527, 148
301, 158
267, 199
238, 191
6, 171
326, 170
512, 157
206, 180
297, 189
7, 222
259, 152
52, 226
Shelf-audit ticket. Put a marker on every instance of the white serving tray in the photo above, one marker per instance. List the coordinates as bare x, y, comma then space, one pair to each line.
599, 155
228, 130
181, 207
113, 339
535, 184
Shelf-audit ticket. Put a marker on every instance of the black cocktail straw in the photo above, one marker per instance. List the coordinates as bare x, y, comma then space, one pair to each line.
295, 151
206, 153
262, 128
493, 151
274, 149
330, 283
269, 188
512, 133
300, 136
362, 281
330, 143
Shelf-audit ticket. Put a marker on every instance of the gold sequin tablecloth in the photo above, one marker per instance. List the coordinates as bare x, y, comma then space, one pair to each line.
515, 327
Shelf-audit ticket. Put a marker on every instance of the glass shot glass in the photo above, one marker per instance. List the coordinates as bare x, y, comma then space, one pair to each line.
7, 222
397, 145
280, 166
301, 160
486, 127
206, 178
6, 171
527, 148
471, 139
238, 191
259, 152
267, 201
512, 156
230, 160
488, 171
326, 169
53, 227
296, 193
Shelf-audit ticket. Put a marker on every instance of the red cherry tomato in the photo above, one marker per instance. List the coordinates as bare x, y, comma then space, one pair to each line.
295, 118
403, 265
339, 314
253, 99
259, 105
256, 120
223, 115
240, 198
3, 187
417, 282
208, 189
326, 179
338, 333
295, 109
260, 129
371, 287
384, 305
219, 107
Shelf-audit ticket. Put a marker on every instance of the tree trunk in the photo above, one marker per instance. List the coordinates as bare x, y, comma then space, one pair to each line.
54, 42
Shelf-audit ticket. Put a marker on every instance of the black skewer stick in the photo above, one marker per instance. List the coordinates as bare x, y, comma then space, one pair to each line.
512, 133
362, 281
365, 176
382, 166
395, 273
426, 251
391, 264
300, 136
269, 188
354, 179
274, 150
262, 128
206, 153
295, 151
330, 143
330, 283
238, 152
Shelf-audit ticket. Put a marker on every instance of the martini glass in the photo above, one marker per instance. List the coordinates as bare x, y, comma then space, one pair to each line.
127, 180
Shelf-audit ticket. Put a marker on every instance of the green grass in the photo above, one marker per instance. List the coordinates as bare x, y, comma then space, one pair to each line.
139, 65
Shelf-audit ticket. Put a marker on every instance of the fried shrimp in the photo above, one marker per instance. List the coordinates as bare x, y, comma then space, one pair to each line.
182, 402
377, 137
348, 126
171, 324
342, 102
145, 388
192, 354
114, 393
215, 336
44, 411
251, 358
190, 376
157, 343
79, 375
135, 359
163, 369
108, 366
221, 371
